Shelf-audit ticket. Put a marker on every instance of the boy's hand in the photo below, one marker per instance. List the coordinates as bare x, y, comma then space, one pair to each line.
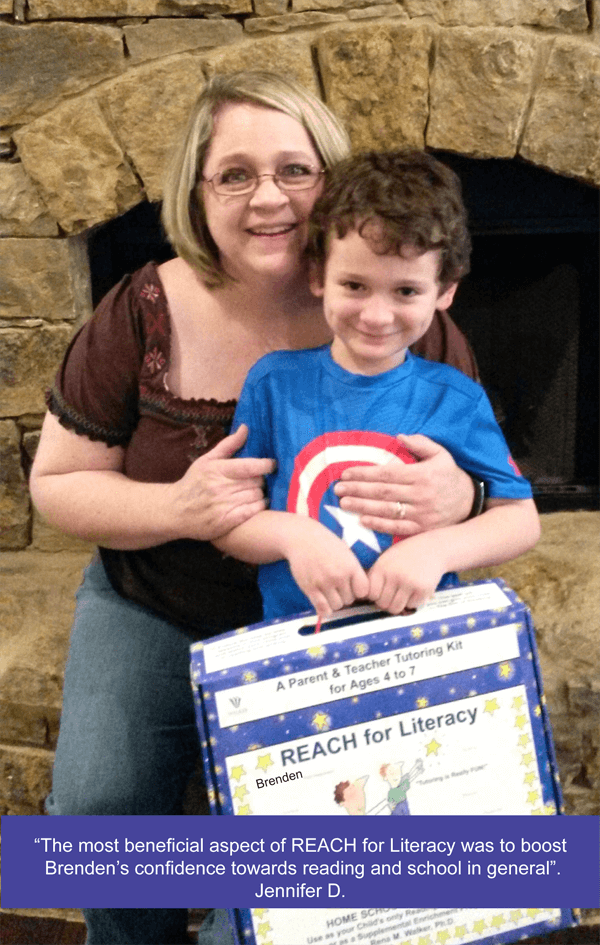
324, 568
406, 574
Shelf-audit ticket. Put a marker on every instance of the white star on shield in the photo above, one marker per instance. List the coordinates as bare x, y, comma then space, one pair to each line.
352, 530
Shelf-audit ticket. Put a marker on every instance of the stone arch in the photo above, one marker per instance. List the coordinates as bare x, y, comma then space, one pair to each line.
486, 92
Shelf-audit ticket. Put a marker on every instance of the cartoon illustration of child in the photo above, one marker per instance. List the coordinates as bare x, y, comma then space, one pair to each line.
399, 784
351, 795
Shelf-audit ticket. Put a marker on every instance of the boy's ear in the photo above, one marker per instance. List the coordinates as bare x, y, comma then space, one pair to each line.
316, 278
446, 296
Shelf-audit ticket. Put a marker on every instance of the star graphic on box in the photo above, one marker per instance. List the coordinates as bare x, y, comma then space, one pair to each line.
264, 762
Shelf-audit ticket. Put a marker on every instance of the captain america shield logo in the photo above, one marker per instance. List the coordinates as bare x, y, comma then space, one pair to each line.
319, 466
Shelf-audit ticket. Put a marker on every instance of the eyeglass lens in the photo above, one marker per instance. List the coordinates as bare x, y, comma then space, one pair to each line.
297, 177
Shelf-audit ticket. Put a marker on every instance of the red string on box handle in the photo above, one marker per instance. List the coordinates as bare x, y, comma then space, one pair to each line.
318, 624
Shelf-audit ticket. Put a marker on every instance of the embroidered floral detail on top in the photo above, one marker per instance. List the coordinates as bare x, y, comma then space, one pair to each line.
154, 360
150, 292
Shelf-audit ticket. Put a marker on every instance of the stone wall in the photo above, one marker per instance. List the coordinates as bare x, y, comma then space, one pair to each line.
92, 94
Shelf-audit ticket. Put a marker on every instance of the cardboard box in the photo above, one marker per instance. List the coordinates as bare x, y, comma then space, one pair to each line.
440, 712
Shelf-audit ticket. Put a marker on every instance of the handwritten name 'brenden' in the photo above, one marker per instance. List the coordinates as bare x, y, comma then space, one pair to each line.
279, 779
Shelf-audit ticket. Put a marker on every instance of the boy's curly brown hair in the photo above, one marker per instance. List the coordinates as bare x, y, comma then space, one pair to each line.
394, 199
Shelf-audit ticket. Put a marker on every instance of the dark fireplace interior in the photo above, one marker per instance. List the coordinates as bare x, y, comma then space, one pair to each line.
529, 308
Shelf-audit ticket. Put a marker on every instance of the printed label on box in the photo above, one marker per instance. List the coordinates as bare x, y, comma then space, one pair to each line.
352, 677
469, 756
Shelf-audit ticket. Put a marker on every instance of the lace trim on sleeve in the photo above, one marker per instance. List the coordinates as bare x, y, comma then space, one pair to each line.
71, 419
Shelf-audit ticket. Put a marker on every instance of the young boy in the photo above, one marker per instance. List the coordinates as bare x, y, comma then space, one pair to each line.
388, 246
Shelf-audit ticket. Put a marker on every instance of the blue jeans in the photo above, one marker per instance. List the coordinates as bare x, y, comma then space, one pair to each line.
128, 742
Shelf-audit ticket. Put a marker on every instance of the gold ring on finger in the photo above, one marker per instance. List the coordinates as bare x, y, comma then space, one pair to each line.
400, 510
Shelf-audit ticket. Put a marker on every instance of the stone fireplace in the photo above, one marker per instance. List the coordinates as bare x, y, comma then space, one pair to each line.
92, 95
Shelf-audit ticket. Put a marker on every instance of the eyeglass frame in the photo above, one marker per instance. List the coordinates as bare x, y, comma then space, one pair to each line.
318, 172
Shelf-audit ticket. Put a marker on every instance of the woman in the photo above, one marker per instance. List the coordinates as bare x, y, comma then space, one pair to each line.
135, 456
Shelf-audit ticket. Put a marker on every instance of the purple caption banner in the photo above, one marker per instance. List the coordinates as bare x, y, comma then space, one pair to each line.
333, 862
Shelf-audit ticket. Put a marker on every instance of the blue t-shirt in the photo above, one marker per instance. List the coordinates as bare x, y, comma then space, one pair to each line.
315, 419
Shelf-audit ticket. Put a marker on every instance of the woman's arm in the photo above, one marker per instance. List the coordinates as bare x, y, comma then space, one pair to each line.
78, 485
434, 492
407, 574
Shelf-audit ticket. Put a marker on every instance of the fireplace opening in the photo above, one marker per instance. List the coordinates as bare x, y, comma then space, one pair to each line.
529, 308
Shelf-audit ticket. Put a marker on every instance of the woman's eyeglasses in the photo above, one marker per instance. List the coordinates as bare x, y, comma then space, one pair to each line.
235, 182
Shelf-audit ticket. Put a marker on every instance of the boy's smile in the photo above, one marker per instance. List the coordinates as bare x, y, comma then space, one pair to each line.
377, 304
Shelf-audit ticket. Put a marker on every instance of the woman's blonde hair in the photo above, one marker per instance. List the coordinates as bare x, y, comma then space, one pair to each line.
183, 211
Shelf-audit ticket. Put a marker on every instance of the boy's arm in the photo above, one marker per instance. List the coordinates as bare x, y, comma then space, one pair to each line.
322, 565
262, 542
507, 529
416, 770
406, 575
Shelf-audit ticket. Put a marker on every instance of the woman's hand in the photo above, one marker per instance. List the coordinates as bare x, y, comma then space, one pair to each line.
79, 486
406, 575
407, 498
218, 493
323, 566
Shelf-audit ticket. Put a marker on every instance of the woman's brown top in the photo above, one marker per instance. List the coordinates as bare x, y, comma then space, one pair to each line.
112, 386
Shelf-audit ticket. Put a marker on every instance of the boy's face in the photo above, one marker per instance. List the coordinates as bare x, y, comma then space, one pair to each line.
393, 774
354, 798
377, 305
